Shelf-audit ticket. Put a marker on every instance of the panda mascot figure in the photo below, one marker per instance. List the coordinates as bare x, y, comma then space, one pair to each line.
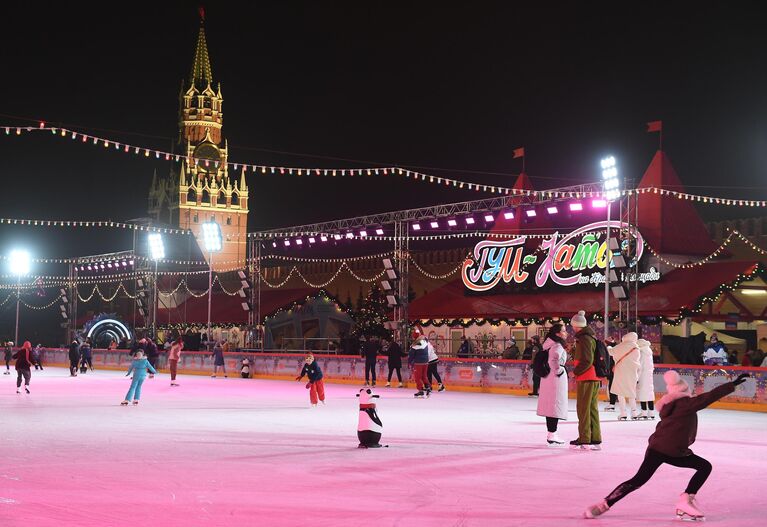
369, 426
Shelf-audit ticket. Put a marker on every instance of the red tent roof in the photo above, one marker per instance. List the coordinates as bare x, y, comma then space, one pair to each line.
678, 289
670, 225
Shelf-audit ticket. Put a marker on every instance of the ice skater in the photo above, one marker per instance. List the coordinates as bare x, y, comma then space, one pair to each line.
138, 367
218, 359
86, 354
74, 357
552, 394
432, 369
670, 443
37, 357
418, 360
315, 385
394, 353
8, 355
174, 355
23, 366
626, 374
646, 387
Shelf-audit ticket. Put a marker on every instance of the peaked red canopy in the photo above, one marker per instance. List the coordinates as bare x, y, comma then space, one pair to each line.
670, 225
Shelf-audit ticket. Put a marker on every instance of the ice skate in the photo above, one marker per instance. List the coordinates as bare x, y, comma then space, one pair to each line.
576, 444
643, 415
18, 390
532, 394
652, 416
609, 408
213, 376
6, 372
595, 445
634, 416
314, 405
419, 394
401, 385
151, 376
596, 510
441, 388
135, 402
27, 388
552, 438
173, 383
323, 402
687, 509
622, 418
125, 403
387, 385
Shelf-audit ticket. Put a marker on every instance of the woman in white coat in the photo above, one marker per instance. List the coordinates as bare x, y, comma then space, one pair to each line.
645, 388
626, 374
552, 394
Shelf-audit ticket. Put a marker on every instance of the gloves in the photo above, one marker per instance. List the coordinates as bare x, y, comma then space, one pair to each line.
741, 379
308, 385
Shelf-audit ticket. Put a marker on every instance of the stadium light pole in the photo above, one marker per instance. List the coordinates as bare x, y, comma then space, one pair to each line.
20, 263
156, 252
611, 191
211, 234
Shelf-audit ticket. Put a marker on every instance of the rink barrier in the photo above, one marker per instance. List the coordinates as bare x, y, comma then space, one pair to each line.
477, 375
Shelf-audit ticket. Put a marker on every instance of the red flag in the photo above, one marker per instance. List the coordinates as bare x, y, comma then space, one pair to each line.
519, 152
655, 126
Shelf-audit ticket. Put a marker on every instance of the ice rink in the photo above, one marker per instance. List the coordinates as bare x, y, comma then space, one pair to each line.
253, 452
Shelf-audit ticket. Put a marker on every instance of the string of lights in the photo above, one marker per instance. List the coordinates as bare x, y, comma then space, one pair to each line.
377, 171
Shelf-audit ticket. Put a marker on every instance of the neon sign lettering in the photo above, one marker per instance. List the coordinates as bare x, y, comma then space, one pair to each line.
573, 259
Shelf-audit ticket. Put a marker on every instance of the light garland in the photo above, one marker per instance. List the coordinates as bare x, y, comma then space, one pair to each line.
436, 276
40, 308
371, 171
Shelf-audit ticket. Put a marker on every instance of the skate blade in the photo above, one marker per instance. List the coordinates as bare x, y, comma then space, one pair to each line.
683, 516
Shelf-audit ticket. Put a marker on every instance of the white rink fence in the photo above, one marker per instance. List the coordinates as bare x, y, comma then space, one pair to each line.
484, 375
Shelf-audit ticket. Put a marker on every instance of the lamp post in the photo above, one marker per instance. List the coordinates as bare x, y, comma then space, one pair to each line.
211, 234
157, 252
20, 265
611, 191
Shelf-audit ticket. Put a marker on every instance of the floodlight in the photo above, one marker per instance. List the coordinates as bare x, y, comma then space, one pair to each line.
211, 232
552, 210
508, 215
470, 220
20, 262
489, 218
434, 224
416, 226
576, 207
388, 263
451, 222
619, 292
156, 246
379, 231
530, 213
599, 203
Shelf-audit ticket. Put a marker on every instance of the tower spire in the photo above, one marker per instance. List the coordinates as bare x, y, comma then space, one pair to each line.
201, 74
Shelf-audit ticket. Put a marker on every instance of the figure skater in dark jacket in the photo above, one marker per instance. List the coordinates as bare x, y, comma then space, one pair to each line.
671, 444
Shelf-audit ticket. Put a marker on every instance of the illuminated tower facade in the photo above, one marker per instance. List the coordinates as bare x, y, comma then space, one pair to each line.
203, 189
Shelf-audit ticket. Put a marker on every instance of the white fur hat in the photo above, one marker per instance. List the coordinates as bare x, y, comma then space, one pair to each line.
579, 320
630, 337
674, 382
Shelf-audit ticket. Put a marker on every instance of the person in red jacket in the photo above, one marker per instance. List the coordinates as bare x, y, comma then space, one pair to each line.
671, 444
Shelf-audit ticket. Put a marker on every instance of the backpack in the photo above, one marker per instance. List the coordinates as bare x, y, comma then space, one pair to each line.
541, 364
601, 359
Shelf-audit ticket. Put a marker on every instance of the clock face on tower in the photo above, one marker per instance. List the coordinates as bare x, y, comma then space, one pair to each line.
207, 156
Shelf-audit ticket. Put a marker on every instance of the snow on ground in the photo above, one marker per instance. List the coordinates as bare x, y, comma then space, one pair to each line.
253, 452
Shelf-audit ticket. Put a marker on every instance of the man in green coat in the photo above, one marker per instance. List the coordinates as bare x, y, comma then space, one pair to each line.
589, 432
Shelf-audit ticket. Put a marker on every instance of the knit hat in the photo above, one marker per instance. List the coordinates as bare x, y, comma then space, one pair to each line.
674, 382
579, 320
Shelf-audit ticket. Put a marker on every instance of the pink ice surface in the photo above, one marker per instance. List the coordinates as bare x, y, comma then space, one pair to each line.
235, 452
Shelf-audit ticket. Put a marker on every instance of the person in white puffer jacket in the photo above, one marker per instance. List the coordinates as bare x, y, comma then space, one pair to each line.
645, 388
626, 374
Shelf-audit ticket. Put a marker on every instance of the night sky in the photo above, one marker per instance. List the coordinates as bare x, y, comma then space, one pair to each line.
452, 90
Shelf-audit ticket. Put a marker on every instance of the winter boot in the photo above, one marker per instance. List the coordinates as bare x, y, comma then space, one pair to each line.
553, 438
686, 508
596, 510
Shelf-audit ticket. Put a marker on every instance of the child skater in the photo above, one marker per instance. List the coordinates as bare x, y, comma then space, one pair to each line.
315, 385
139, 367
671, 444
